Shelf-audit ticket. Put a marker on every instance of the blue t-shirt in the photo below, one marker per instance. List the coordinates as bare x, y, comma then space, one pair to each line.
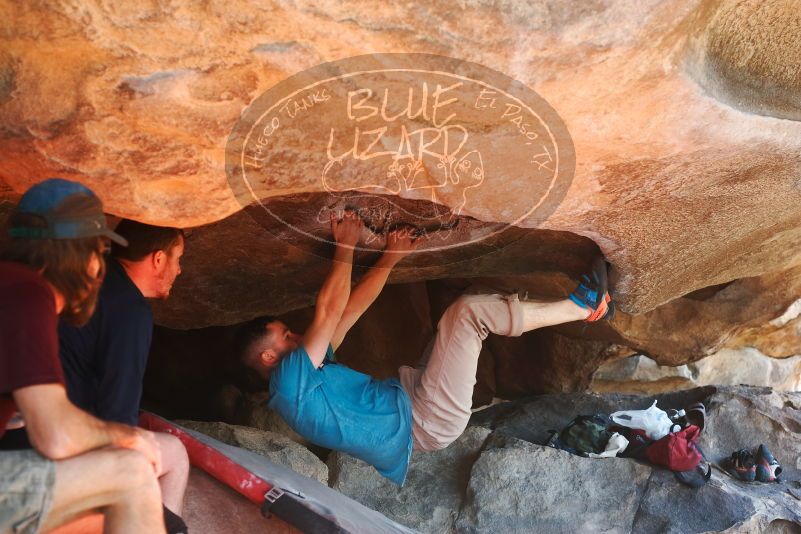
104, 361
341, 409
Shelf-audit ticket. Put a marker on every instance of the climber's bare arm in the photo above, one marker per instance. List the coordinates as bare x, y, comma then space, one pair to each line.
333, 296
400, 243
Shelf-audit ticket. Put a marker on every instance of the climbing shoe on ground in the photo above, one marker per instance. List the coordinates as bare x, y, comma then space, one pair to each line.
592, 292
767, 467
741, 465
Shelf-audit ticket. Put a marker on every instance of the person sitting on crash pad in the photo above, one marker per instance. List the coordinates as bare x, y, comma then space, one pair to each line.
382, 421
51, 269
105, 360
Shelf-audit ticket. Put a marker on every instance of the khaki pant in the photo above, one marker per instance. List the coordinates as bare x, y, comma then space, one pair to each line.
442, 391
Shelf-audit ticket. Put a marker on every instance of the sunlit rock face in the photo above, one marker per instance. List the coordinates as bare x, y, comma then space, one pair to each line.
640, 374
687, 169
740, 63
756, 312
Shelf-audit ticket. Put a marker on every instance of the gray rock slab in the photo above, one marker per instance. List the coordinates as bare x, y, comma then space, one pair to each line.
517, 487
432, 494
497, 478
276, 447
744, 417
531, 419
670, 507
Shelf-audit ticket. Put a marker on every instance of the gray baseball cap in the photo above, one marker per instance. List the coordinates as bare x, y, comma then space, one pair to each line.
71, 211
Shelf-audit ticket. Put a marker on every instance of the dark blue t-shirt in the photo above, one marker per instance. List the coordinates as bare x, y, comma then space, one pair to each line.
341, 409
104, 361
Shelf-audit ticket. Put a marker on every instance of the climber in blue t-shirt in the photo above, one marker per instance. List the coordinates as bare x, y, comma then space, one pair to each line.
328, 403
382, 421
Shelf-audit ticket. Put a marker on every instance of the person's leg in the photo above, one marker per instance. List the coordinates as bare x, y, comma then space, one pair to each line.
174, 471
120, 482
442, 399
542, 314
442, 393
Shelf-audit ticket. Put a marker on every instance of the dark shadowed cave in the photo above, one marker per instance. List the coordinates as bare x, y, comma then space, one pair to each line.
394, 332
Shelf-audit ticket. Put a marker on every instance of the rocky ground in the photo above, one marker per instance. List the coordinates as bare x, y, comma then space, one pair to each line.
499, 478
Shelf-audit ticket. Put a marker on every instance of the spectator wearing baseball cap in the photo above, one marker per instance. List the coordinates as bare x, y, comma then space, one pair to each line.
51, 266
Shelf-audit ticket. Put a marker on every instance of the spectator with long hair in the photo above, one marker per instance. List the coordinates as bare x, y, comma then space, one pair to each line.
51, 266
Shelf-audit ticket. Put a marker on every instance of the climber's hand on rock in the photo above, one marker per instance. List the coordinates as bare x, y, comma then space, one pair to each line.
400, 243
348, 229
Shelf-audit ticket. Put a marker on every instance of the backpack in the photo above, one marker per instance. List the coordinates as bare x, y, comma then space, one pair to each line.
583, 435
678, 451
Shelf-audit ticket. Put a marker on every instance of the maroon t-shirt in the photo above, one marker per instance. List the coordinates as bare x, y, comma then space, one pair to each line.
28, 335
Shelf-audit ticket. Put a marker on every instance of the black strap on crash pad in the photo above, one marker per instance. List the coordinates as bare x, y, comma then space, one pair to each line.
291, 509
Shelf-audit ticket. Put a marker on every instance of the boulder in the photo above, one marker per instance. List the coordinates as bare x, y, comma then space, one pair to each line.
640, 374
718, 506
747, 416
266, 272
686, 169
499, 477
745, 312
779, 338
737, 417
255, 413
432, 494
737, 62
518, 487
276, 447
691, 200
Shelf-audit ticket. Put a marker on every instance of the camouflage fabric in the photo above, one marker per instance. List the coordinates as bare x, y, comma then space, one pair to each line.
583, 435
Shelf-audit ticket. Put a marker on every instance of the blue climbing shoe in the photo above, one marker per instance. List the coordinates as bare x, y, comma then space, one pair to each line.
592, 292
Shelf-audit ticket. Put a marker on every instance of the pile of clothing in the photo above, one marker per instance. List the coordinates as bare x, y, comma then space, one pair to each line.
664, 438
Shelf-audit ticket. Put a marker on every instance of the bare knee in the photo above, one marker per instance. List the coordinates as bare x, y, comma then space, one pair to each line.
173, 453
135, 471
115, 480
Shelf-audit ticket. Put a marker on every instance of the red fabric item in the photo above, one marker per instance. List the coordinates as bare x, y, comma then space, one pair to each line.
211, 460
7, 410
676, 451
28, 335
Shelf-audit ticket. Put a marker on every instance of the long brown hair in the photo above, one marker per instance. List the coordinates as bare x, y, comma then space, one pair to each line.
63, 262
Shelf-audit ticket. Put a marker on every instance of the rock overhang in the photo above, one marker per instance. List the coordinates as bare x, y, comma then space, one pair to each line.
678, 182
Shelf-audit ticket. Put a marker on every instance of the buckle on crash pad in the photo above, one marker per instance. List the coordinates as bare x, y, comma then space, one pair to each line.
273, 495
269, 500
